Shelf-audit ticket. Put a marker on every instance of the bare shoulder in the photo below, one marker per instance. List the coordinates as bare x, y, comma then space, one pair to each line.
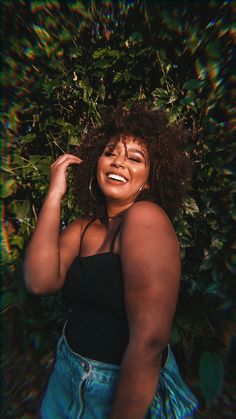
75, 227
70, 237
69, 244
147, 213
145, 207
144, 220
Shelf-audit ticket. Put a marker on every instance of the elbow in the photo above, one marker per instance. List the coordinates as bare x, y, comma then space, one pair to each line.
157, 344
39, 286
39, 290
32, 287
150, 345
40, 282
32, 284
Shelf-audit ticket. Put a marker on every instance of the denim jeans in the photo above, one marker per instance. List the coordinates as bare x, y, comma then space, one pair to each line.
81, 388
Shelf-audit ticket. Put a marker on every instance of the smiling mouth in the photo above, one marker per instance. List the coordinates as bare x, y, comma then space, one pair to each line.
117, 178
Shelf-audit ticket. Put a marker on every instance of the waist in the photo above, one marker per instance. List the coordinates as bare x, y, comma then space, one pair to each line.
103, 337
82, 356
101, 371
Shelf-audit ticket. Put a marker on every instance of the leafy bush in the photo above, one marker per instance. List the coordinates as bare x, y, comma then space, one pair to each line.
63, 63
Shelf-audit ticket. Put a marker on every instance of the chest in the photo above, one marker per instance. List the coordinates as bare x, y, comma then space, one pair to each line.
95, 281
99, 240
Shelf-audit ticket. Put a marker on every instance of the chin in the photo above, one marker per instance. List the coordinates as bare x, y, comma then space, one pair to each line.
114, 196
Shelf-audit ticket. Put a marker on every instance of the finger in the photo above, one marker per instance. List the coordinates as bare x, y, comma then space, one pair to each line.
59, 159
65, 157
70, 160
62, 157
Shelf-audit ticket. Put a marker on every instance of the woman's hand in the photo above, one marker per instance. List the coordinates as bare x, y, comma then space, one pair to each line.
59, 173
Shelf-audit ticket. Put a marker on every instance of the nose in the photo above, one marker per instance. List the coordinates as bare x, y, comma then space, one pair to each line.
118, 161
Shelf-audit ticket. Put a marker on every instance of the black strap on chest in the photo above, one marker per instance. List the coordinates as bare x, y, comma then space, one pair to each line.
113, 239
82, 235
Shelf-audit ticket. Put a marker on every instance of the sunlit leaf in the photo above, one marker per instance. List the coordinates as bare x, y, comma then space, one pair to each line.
21, 209
9, 187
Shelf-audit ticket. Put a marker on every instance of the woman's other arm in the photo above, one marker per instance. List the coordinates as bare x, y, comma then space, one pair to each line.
49, 254
151, 267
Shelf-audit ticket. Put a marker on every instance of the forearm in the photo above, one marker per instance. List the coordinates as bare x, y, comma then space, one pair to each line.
137, 384
42, 262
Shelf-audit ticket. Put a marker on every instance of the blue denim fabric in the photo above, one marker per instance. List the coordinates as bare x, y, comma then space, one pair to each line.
81, 388
173, 398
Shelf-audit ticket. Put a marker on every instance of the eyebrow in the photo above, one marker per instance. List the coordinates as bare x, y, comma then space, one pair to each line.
128, 149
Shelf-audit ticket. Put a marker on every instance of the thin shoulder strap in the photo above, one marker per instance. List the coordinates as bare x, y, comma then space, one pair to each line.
82, 235
114, 237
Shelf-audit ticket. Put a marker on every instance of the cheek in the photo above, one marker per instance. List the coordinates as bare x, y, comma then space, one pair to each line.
99, 165
100, 168
141, 174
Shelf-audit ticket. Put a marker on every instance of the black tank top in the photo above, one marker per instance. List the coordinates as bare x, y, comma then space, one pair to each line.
97, 325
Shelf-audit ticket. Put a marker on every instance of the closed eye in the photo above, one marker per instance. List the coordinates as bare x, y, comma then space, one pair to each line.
109, 153
134, 159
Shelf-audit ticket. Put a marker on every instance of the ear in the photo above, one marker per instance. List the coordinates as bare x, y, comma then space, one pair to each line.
146, 186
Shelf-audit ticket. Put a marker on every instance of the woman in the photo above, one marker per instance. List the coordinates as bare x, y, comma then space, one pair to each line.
119, 269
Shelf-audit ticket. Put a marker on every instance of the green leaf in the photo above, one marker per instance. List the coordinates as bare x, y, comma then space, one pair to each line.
8, 298
28, 138
173, 115
171, 23
8, 188
118, 77
162, 54
42, 34
160, 93
102, 91
44, 165
159, 104
211, 371
35, 158
73, 140
192, 84
104, 62
65, 35
214, 49
17, 241
206, 264
21, 210
213, 288
187, 101
99, 53
191, 206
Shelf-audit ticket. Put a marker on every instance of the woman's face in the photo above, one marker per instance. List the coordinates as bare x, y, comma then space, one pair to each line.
123, 169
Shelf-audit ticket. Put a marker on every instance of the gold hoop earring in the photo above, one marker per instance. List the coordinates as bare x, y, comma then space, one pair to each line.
141, 187
90, 189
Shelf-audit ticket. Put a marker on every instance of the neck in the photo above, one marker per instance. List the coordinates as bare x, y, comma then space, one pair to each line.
113, 213
116, 216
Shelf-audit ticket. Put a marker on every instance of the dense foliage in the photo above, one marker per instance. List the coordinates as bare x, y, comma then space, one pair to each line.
63, 63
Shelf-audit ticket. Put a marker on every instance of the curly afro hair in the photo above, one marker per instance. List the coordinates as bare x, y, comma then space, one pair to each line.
170, 168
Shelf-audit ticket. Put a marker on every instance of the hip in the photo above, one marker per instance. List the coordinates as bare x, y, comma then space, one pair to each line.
80, 387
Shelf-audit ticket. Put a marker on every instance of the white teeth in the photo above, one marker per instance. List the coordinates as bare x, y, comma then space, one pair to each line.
116, 177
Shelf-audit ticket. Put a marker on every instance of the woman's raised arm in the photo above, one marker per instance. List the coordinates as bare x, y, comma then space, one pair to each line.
48, 253
151, 267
